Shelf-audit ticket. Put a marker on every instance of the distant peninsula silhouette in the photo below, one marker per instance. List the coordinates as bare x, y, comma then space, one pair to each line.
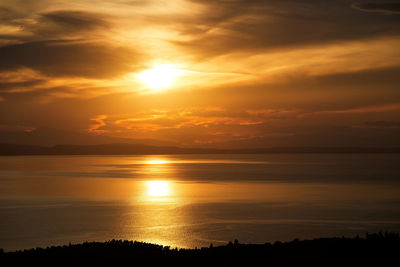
140, 149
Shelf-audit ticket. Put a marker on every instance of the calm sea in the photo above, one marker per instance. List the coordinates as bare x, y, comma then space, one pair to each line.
195, 200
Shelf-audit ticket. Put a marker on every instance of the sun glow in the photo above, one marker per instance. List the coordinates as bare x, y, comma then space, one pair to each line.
157, 188
160, 76
156, 161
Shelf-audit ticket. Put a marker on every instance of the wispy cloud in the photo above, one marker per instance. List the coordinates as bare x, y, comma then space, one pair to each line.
387, 8
379, 125
96, 128
366, 109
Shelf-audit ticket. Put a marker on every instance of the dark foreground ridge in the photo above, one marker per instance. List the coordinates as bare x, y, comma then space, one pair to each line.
373, 250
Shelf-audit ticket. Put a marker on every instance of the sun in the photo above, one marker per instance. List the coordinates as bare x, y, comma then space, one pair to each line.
156, 161
157, 188
160, 76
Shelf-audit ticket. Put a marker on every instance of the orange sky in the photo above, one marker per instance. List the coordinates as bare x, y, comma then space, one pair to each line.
245, 73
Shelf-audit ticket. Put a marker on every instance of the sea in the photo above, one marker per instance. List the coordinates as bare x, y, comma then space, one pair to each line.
189, 201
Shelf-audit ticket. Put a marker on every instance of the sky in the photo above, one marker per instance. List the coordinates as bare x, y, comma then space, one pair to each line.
220, 73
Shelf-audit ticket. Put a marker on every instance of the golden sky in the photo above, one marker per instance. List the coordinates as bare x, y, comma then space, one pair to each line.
227, 73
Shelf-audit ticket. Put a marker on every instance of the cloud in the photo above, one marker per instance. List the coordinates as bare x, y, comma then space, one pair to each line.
77, 20
20, 80
365, 109
62, 42
16, 128
379, 125
96, 128
29, 23
387, 8
250, 128
267, 67
25, 84
190, 125
68, 58
68, 25
20, 86
227, 26
196, 117
218, 122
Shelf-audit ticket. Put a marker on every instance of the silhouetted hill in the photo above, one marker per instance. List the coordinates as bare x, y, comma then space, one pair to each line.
374, 250
46, 136
106, 149
138, 149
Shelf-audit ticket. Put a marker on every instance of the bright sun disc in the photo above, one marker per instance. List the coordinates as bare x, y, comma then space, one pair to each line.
156, 161
159, 77
157, 188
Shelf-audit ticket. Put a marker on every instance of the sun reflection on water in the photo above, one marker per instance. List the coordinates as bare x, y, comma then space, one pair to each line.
158, 188
158, 175
158, 214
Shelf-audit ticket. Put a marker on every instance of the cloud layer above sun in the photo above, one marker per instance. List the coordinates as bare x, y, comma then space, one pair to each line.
251, 72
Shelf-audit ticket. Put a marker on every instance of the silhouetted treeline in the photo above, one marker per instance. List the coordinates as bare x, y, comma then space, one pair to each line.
138, 149
373, 250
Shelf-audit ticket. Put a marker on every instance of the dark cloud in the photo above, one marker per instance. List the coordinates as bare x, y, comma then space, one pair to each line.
382, 124
13, 12
5, 14
243, 25
56, 25
6, 86
64, 58
75, 19
66, 23
300, 91
379, 77
379, 7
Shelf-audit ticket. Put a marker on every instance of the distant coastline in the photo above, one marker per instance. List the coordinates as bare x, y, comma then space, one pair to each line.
138, 149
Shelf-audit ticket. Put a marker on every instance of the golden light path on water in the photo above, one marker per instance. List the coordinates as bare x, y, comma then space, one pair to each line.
157, 218
159, 188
